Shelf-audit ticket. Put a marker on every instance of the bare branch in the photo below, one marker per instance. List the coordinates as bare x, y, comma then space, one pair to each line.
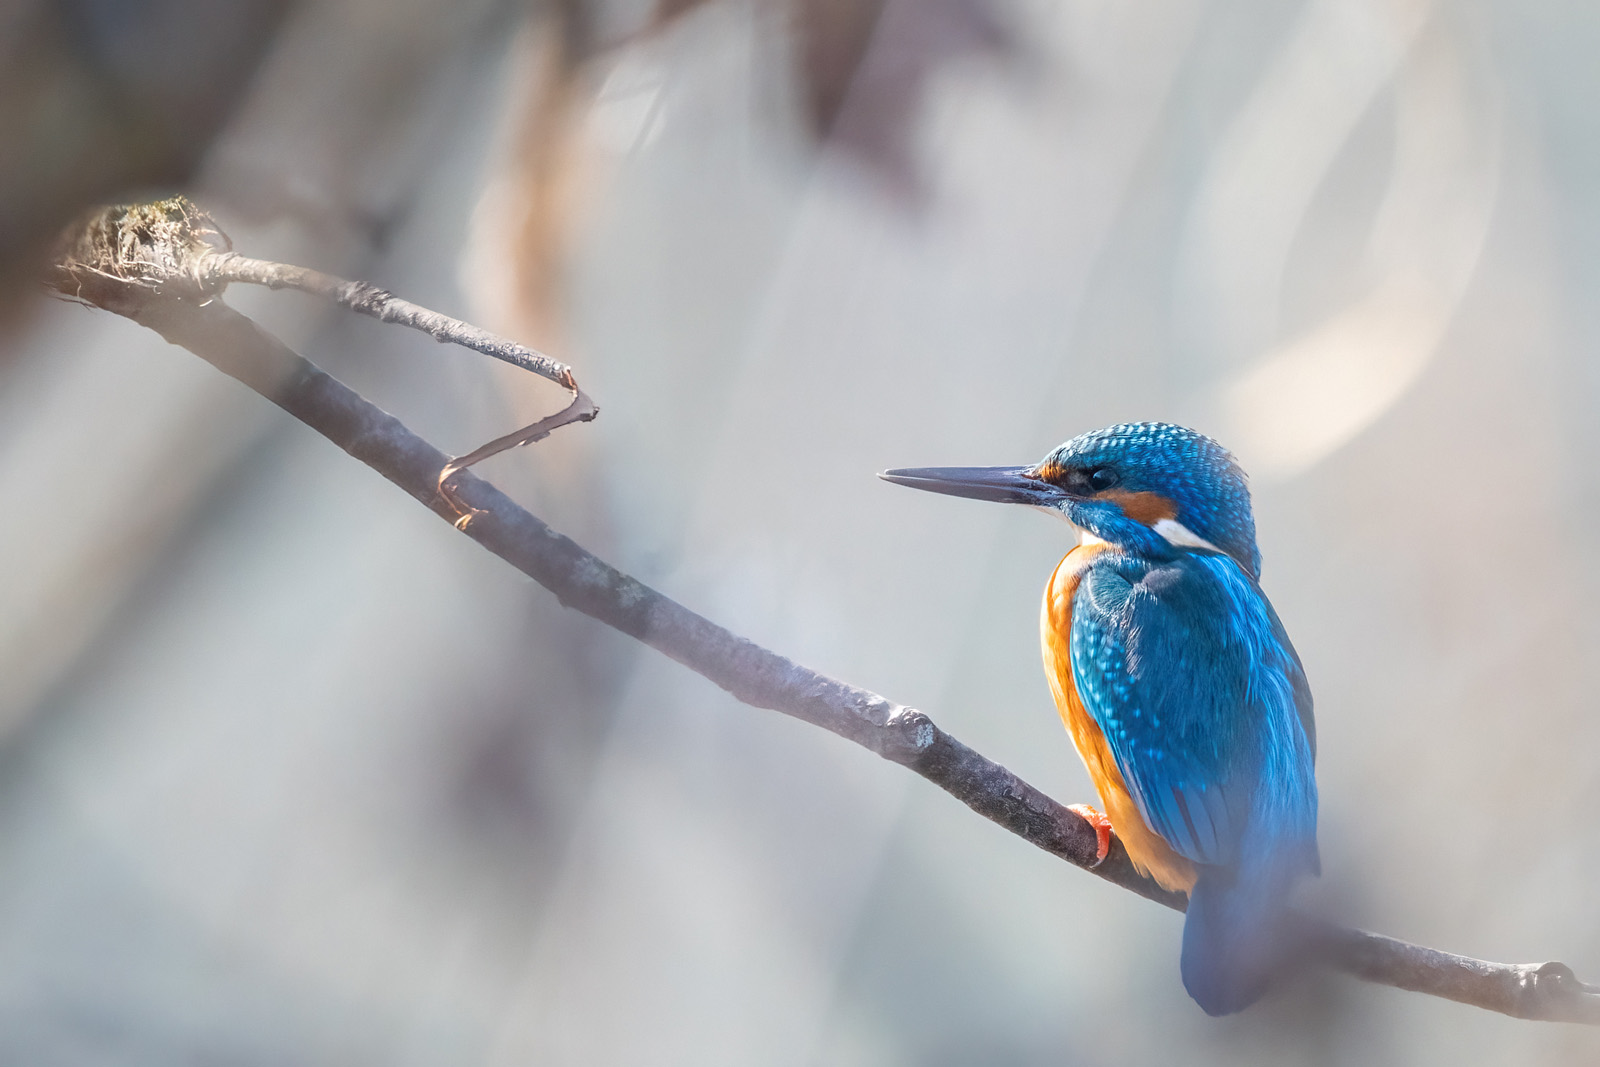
1544, 991
191, 318
219, 268
581, 409
173, 247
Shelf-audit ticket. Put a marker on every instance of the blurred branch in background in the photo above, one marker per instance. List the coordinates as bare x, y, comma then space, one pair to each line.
532, 207
148, 264
98, 99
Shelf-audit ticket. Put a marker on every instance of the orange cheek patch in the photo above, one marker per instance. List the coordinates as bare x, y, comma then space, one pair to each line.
1148, 508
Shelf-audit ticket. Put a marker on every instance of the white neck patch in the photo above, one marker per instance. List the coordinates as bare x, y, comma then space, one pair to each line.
1176, 533
1171, 530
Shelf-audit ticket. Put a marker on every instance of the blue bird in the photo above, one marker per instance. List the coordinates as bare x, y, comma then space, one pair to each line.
1177, 683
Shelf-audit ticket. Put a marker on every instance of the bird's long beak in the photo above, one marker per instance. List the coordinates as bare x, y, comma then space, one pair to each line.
1007, 485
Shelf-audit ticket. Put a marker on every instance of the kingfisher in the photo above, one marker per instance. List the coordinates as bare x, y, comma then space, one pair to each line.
1177, 683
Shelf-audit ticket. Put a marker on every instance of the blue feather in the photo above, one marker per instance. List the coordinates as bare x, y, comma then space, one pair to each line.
1183, 667
1189, 674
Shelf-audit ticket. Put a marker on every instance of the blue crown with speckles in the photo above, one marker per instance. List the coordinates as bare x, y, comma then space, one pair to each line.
1201, 478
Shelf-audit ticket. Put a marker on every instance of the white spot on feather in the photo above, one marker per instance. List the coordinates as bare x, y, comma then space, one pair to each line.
1176, 533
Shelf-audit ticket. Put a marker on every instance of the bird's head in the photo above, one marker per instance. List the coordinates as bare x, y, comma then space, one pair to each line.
1148, 487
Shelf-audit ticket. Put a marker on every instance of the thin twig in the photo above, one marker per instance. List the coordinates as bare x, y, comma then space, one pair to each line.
174, 247
219, 268
581, 409
754, 674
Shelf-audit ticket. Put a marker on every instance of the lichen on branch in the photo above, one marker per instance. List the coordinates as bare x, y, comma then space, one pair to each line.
165, 246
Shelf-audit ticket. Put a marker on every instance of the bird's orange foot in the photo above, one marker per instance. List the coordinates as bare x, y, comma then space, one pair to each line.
1102, 829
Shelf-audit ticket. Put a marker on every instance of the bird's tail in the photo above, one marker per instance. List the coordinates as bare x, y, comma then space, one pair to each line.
1234, 936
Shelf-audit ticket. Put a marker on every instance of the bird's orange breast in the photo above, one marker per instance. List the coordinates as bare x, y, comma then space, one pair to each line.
1149, 851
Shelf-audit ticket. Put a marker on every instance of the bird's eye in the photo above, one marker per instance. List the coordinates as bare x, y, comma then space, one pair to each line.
1102, 478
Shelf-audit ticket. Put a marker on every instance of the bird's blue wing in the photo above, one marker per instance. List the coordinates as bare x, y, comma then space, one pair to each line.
1188, 672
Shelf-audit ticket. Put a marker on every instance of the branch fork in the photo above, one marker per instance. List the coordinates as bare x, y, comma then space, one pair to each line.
171, 248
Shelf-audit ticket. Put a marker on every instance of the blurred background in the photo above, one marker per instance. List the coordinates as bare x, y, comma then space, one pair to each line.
290, 773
